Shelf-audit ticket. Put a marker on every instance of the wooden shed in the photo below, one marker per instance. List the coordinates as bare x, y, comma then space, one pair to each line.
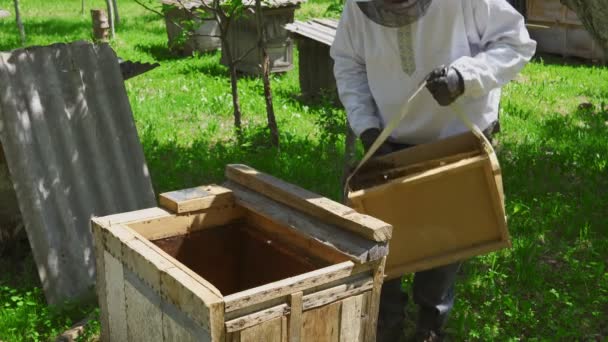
256, 259
314, 39
565, 34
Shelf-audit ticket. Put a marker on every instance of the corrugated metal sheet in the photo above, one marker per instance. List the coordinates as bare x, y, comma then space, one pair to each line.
320, 30
73, 152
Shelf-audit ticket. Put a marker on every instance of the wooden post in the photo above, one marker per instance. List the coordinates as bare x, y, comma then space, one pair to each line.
101, 25
110, 16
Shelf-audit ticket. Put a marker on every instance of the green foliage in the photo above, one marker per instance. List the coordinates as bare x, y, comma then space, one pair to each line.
553, 283
24, 316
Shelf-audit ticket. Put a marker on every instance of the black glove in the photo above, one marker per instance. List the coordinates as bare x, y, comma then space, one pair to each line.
367, 139
445, 84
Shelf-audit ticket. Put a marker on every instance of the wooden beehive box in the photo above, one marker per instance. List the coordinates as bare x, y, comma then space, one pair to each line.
256, 259
314, 39
243, 37
444, 200
177, 16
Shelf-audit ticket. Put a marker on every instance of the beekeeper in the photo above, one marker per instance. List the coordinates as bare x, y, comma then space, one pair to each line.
466, 50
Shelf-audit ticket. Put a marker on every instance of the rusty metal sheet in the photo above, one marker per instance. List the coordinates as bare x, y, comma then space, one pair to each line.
72, 148
319, 30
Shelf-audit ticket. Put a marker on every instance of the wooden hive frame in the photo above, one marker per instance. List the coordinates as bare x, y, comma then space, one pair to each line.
445, 200
146, 294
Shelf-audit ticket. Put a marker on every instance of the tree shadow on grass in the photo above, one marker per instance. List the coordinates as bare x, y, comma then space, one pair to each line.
298, 160
555, 59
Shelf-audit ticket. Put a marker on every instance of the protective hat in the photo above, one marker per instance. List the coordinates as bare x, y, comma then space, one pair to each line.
394, 13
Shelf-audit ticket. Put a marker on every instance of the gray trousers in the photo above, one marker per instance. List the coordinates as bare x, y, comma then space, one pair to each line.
433, 289
433, 293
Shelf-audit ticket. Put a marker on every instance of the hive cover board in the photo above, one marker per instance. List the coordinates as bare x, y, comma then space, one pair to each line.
73, 152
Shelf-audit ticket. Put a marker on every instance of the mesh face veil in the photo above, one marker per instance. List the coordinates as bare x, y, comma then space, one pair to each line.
394, 13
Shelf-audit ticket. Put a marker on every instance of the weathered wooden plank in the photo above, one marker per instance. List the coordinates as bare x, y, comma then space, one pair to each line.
196, 277
194, 199
100, 286
132, 216
177, 326
169, 225
337, 293
374, 303
284, 287
195, 300
353, 246
115, 285
350, 322
145, 263
310, 203
295, 317
285, 329
257, 318
115, 237
322, 324
144, 314
270, 331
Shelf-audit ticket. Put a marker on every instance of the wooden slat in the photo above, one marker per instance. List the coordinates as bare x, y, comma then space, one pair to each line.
353, 246
257, 318
285, 331
271, 331
350, 322
177, 264
144, 314
374, 303
133, 216
322, 324
100, 285
284, 287
169, 225
117, 314
445, 259
365, 315
177, 326
310, 203
195, 300
295, 317
299, 242
337, 293
195, 199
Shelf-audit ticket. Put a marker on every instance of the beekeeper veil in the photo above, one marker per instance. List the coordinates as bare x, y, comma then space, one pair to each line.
394, 13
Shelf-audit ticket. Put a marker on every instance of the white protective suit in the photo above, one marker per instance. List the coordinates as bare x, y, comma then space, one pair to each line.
377, 68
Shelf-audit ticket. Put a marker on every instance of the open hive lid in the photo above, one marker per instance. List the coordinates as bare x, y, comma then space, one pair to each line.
444, 199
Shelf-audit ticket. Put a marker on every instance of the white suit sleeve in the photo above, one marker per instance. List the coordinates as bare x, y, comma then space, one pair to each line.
503, 42
351, 76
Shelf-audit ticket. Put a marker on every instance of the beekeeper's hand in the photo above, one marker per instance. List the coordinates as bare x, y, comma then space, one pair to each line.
445, 84
367, 139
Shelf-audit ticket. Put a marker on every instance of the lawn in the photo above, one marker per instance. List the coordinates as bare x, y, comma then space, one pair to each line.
552, 285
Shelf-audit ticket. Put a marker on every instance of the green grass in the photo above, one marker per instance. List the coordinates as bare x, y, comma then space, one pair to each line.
552, 285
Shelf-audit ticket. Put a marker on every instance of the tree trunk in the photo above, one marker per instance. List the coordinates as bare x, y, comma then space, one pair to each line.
82, 7
272, 122
594, 15
116, 15
110, 7
233, 83
19, 22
